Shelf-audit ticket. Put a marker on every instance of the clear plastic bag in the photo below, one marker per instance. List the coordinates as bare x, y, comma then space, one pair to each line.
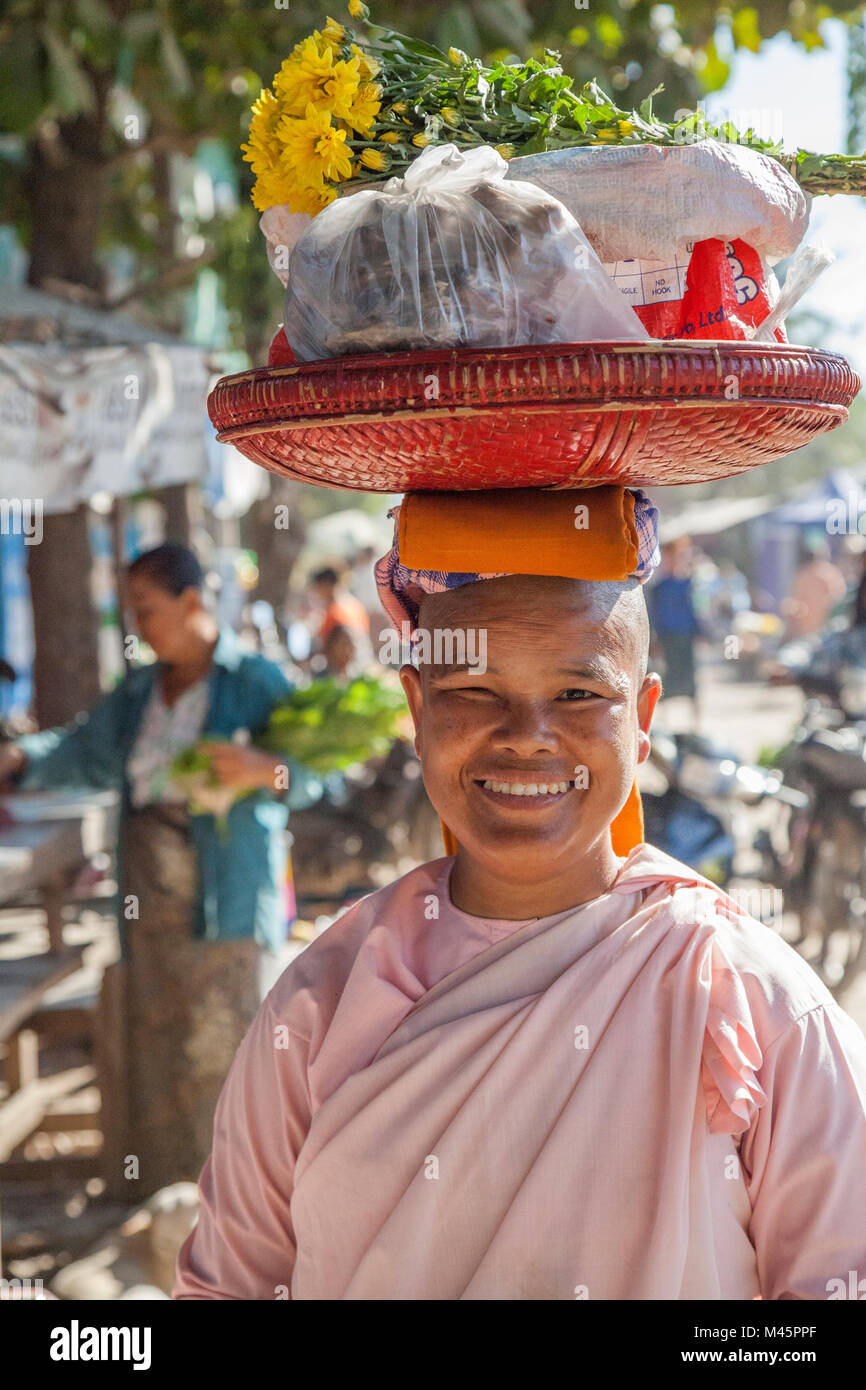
452, 255
809, 262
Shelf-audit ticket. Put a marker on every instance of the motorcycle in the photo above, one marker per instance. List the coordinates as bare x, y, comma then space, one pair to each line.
695, 819
816, 850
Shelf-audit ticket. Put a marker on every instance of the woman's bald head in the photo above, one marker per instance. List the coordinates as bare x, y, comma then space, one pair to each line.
535, 602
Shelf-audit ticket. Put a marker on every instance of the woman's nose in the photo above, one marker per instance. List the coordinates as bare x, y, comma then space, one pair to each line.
525, 729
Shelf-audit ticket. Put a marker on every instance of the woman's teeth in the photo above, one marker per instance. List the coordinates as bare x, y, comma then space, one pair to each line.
527, 788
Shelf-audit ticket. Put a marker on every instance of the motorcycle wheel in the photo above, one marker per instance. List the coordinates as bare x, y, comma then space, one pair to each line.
836, 902
792, 847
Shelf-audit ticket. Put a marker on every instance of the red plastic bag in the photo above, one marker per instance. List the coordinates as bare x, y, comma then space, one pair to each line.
279, 352
722, 291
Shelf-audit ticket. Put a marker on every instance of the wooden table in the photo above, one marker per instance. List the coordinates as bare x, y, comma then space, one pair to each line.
54, 835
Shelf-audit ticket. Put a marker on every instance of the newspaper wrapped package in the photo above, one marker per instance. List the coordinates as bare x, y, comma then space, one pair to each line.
452, 255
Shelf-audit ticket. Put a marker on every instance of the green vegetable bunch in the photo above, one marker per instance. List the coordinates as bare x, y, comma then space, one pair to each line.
193, 774
328, 726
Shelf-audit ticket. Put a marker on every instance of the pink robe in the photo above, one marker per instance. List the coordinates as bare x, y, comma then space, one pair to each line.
650, 1096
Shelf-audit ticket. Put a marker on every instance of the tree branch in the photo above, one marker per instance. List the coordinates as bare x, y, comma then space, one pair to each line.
172, 141
173, 275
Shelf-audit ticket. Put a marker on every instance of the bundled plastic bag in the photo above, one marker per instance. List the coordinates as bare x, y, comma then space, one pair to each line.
452, 255
689, 233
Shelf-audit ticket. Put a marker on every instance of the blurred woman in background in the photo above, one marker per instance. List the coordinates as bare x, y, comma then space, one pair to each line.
197, 903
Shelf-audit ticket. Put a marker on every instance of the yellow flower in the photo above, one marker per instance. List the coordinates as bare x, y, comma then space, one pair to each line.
399, 108
263, 148
450, 115
605, 136
311, 200
269, 190
365, 108
276, 187
625, 127
420, 140
358, 10
314, 149
374, 159
333, 34
343, 87
390, 137
369, 67
304, 78
507, 151
457, 57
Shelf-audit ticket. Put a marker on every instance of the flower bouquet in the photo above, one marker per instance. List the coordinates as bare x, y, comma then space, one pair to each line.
349, 105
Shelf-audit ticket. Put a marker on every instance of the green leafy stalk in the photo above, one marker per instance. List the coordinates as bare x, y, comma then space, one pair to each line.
430, 97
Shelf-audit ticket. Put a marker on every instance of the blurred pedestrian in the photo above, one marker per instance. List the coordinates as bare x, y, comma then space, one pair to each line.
196, 903
338, 604
341, 655
818, 586
674, 622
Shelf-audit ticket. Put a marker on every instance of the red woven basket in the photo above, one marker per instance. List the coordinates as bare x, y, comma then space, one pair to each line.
567, 415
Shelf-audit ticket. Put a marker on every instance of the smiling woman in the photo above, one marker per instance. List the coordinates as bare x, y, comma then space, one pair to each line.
620, 1083
623, 1087
565, 700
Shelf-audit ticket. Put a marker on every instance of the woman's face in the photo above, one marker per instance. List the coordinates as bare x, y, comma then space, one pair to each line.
161, 618
562, 703
340, 650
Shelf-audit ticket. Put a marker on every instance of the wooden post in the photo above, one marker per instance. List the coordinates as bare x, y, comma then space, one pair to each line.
53, 896
178, 505
110, 1055
65, 628
118, 555
22, 1061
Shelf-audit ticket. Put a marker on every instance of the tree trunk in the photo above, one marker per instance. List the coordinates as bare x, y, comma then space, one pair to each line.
65, 624
66, 186
275, 530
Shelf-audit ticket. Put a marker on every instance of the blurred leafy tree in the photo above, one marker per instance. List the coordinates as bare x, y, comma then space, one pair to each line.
857, 88
99, 97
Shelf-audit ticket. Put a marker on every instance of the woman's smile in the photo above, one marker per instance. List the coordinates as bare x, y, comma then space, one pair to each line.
531, 792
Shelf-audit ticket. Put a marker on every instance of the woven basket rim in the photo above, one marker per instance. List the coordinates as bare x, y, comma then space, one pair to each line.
432, 413
408, 358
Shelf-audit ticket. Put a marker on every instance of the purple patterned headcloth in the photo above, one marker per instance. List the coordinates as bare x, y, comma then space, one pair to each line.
401, 589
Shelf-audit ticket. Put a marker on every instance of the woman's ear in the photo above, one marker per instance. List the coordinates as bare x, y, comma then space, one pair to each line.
410, 679
193, 600
648, 698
